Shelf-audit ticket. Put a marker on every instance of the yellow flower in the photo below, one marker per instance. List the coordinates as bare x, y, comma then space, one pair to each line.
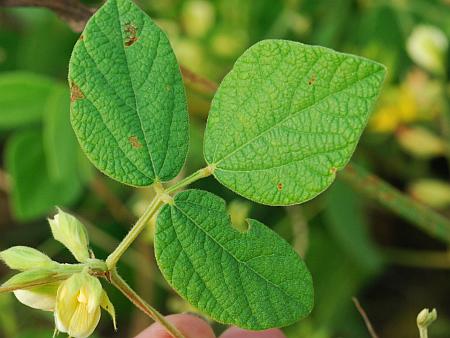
398, 106
40, 297
385, 120
78, 305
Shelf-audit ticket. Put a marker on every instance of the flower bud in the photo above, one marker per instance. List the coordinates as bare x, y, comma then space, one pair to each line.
427, 46
433, 192
425, 318
71, 233
25, 258
420, 142
78, 305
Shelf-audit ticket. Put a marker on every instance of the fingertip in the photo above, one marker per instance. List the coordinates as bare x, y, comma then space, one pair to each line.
235, 332
190, 326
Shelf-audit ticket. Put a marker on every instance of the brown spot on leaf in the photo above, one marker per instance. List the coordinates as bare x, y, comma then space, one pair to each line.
134, 141
75, 92
81, 38
333, 170
312, 80
131, 31
280, 186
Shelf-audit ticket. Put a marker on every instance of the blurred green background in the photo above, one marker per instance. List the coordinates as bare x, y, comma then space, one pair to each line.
352, 246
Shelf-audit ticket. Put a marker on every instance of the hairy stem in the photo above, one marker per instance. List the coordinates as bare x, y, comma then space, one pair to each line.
420, 215
128, 292
199, 174
151, 210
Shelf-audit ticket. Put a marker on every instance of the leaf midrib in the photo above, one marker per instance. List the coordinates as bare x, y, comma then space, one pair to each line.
233, 256
290, 116
133, 89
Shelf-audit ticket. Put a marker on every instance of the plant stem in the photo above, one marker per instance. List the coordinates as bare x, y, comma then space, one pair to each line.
128, 292
73, 12
423, 332
418, 214
422, 259
366, 319
445, 117
153, 207
202, 173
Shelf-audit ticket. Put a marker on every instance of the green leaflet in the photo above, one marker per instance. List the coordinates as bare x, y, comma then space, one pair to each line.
287, 117
23, 97
59, 140
30, 197
348, 226
253, 280
128, 108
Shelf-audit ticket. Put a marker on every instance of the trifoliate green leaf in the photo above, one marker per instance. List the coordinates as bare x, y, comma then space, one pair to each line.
251, 279
287, 117
128, 103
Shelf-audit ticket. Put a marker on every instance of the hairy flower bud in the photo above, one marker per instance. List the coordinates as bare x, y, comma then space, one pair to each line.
71, 233
25, 258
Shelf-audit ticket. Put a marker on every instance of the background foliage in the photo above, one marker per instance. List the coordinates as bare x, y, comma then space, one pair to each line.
351, 245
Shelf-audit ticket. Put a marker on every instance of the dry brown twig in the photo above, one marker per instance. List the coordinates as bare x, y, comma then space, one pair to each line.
366, 319
73, 12
77, 14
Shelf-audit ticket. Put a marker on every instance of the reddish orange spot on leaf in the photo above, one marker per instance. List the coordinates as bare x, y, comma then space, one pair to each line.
75, 92
134, 141
131, 30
